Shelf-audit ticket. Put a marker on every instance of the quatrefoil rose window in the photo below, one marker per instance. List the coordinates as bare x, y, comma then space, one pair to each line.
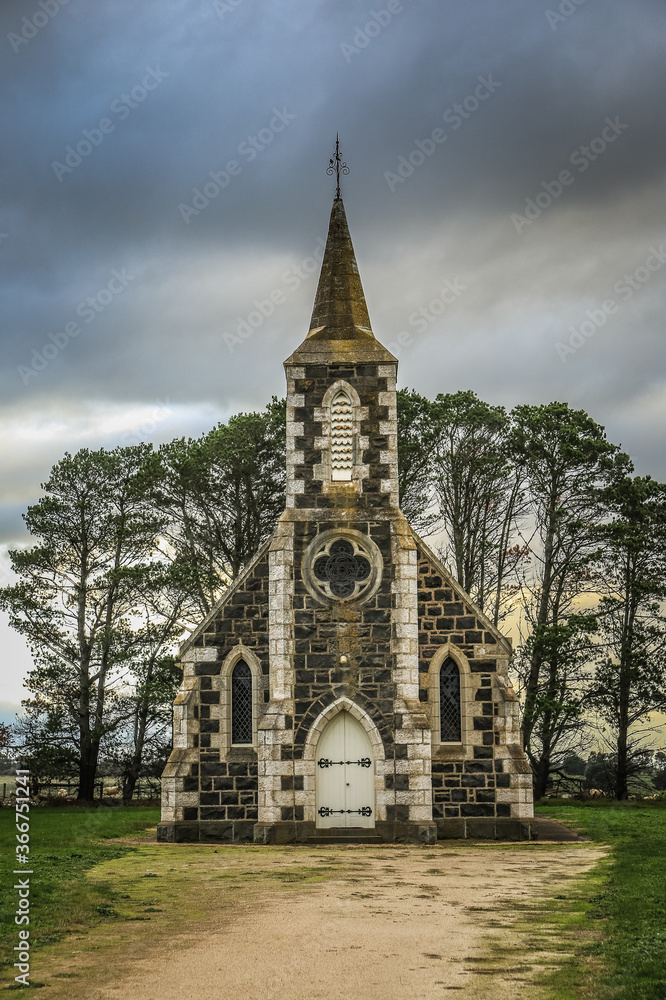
342, 566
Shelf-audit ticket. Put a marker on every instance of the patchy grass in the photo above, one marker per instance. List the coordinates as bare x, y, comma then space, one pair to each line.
64, 845
621, 939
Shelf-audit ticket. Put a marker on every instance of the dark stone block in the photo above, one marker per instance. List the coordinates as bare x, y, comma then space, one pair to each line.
206, 669
244, 783
459, 795
473, 781
397, 814
213, 812
483, 694
190, 784
453, 609
210, 725
221, 784
228, 798
210, 697
479, 767
212, 770
484, 753
238, 770
287, 782
485, 795
503, 780
482, 723
503, 809
236, 812
472, 809
190, 812
209, 798
287, 813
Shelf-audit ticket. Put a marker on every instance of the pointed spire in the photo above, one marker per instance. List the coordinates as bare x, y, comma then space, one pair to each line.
340, 326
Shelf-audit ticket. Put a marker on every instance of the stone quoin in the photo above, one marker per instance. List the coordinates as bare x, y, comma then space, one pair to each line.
344, 611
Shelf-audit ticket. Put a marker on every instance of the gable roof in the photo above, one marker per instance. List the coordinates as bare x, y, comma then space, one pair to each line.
226, 596
502, 640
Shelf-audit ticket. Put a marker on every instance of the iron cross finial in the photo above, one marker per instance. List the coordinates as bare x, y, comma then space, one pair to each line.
337, 166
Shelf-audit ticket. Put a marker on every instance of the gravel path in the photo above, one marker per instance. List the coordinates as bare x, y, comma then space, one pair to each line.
388, 923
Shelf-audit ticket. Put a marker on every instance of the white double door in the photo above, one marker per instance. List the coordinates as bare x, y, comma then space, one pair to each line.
345, 777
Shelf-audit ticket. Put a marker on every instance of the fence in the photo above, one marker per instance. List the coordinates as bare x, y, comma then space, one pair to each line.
145, 788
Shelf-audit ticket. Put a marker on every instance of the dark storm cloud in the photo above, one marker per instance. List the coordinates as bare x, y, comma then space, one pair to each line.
187, 87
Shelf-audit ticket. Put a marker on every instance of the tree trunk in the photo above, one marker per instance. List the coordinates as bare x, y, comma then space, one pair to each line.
132, 772
87, 775
541, 775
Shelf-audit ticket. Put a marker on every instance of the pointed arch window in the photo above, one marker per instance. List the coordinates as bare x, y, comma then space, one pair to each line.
449, 702
241, 703
342, 436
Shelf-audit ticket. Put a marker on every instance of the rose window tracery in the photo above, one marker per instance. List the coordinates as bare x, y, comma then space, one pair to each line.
342, 566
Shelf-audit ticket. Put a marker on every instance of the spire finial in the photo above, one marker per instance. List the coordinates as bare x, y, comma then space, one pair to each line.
337, 165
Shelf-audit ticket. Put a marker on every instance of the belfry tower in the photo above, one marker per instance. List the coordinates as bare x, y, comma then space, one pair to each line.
344, 686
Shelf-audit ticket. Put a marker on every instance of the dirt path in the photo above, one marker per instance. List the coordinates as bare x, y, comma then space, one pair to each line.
389, 923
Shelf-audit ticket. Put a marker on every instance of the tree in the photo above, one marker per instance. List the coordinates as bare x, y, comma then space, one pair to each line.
96, 529
559, 701
222, 494
478, 492
630, 681
567, 460
145, 738
416, 439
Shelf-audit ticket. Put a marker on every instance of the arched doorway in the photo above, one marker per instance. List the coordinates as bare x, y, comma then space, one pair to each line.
345, 775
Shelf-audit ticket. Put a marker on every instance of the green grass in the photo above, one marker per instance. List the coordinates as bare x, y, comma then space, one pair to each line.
65, 843
628, 911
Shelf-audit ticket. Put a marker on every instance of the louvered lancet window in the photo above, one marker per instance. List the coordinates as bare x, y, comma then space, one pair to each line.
342, 437
449, 702
241, 703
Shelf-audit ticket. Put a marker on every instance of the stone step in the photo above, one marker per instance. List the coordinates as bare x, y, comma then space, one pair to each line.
343, 836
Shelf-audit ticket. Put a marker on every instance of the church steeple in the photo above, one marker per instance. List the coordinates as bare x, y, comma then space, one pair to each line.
340, 327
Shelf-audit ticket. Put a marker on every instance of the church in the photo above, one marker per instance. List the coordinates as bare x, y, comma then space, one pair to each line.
345, 687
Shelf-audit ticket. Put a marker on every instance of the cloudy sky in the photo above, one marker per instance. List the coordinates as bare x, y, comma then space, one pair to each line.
164, 172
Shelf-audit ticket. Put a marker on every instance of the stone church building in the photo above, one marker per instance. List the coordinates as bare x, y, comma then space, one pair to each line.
345, 686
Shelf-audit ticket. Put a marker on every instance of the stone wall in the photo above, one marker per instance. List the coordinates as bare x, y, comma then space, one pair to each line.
487, 776
209, 788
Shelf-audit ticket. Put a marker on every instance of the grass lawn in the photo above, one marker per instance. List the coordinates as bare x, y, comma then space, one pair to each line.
64, 844
628, 906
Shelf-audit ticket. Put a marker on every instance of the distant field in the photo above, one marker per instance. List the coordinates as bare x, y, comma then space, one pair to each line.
627, 919
64, 844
